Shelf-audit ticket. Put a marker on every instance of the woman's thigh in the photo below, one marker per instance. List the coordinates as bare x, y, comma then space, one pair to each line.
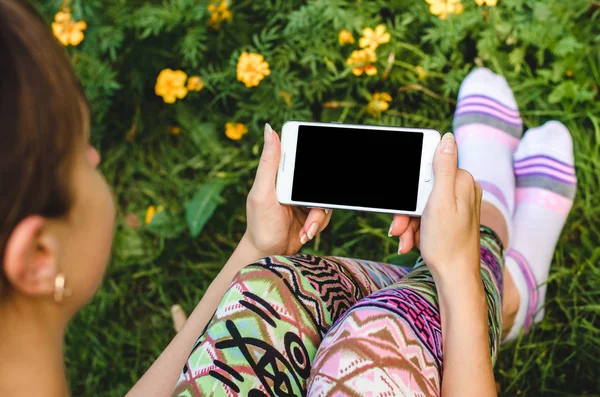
264, 334
390, 343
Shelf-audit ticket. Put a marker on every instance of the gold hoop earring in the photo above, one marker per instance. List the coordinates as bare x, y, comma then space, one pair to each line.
60, 290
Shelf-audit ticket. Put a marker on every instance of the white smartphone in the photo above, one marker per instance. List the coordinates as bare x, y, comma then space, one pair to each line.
356, 167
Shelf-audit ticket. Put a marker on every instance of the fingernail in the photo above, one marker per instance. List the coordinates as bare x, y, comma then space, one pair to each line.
390, 231
400, 246
268, 133
326, 211
312, 230
303, 239
176, 309
448, 143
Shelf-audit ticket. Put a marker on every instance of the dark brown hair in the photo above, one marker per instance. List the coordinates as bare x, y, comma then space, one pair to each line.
43, 117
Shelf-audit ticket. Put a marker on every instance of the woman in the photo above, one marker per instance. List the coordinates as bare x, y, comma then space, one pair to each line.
281, 325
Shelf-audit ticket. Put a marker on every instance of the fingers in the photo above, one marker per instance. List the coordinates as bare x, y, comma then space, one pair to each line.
408, 238
399, 225
445, 163
178, 316
316, 221
266, 174
467, 190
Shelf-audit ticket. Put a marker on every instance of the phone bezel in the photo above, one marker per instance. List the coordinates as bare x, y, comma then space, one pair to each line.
285, 175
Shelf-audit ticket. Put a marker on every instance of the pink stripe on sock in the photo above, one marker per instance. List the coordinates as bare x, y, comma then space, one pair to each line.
486, 132
478, 100
531, 286
545, 198
527, 162
489, 111
495, 191
547, 171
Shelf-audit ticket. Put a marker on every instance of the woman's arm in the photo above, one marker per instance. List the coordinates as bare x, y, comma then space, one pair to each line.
450, 246
465, 337
161, 377
273, 229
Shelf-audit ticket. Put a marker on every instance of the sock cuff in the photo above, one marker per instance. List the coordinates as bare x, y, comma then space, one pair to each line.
527, 286
502, 206
523, 290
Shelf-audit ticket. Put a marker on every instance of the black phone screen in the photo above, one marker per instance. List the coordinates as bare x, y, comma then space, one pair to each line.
357, 167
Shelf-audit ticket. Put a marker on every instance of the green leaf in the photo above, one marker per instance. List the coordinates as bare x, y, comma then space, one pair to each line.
567, 45
164, 225
567, 89
202, 206
516, 58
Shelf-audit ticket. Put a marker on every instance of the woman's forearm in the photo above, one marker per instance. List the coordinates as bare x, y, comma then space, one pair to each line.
161, 377
464, 314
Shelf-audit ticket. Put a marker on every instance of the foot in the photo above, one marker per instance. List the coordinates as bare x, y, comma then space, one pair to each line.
488, 127
546, 184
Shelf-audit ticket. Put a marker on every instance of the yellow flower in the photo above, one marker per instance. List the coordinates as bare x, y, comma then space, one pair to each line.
174, 130
170, 85
421, 73
489, 3
252, 68
235, 131
287, 98
345, 37
379, 103
151, 211
195, 83
219, 12
373, 38
362, 60
67, 31
443, 8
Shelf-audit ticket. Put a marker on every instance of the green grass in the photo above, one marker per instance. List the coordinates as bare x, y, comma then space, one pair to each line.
116, 338
552, 62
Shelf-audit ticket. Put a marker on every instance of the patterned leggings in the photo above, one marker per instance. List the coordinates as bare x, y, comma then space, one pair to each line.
328, 326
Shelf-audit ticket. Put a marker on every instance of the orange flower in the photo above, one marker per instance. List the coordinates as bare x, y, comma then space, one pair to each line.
443, 8
373, 38
345, 37
170, 85
67, 31
251, 69
421, 73
489, 3
379, 103
195, 83
174, 130
287, 98
235, 131
151, 212
362, 60
219, 12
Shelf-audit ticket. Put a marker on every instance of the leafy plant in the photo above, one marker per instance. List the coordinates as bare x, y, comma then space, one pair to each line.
168, 154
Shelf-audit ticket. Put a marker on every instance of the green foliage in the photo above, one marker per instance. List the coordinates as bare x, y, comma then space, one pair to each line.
549, 50
203, 205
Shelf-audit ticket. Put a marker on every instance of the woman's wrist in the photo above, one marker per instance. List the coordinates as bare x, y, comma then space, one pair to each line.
460, 290
247, 247
245, 253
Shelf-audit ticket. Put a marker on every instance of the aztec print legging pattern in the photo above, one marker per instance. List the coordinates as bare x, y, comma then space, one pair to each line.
324, 326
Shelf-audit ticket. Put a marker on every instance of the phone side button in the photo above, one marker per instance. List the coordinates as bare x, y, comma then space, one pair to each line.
428, 173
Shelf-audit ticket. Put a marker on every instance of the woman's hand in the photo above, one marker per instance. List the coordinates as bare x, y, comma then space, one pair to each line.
448, 231
275, 229
450, 222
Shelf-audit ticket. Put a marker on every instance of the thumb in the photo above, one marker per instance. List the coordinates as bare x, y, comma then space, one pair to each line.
266, 174
445, 167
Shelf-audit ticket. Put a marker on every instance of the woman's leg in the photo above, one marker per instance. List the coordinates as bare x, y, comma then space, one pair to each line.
390, 343
263, 337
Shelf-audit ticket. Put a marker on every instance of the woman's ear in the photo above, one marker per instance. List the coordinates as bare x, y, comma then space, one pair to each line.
31, 258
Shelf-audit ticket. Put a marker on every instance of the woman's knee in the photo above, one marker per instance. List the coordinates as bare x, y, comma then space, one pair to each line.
370, 342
